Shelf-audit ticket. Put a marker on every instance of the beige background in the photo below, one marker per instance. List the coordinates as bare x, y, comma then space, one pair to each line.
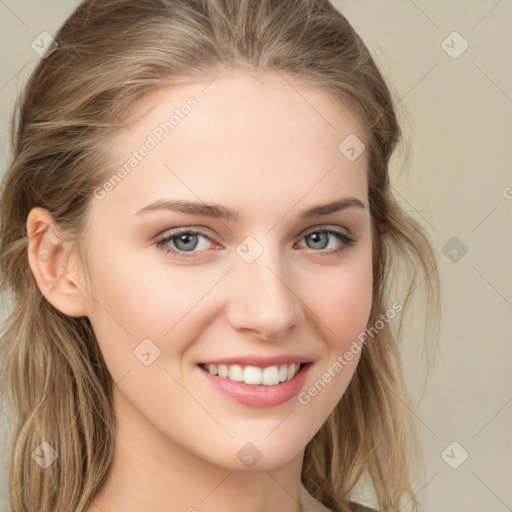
458, 117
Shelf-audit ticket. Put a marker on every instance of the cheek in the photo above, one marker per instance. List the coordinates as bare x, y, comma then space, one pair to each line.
132, 303
341, 304
124, 306
343, 299
170, 304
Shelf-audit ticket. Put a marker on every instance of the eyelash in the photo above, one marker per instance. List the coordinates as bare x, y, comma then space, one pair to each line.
162, 243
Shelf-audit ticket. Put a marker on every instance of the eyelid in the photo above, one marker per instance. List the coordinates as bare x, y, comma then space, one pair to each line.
333, 227
186, 229
163, 239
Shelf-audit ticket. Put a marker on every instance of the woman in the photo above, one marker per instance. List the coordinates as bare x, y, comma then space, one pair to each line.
201, 242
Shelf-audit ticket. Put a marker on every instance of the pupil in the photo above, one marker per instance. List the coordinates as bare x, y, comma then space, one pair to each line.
316, 238
185, 239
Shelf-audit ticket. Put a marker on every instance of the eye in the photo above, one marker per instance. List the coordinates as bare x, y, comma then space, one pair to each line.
319, 239
186, 242
182, 242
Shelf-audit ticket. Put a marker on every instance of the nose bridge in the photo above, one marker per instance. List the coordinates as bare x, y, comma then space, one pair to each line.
263, 298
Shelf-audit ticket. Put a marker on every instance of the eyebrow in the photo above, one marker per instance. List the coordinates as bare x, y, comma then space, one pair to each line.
222, 212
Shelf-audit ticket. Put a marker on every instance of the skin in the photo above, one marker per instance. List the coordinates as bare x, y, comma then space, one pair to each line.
268, 150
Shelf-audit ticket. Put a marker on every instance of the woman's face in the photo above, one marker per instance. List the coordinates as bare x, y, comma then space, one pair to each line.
263, 287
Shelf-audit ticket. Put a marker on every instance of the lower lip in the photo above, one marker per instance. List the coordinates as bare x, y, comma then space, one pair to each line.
259, 395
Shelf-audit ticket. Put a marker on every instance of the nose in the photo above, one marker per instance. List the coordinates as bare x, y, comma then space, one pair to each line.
263, 298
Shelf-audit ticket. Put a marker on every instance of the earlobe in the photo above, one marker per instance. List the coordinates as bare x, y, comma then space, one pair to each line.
54, 264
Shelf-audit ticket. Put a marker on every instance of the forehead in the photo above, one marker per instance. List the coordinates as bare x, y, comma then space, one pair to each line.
241, 105
237, 134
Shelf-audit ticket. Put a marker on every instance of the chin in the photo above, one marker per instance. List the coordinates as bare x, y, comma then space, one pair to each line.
258, 453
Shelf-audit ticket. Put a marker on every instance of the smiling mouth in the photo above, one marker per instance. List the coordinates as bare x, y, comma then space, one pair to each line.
254, 375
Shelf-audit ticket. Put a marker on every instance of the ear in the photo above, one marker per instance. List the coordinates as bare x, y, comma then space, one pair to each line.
55, 264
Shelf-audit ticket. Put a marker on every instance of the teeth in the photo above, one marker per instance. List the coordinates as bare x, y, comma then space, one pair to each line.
269, 376
236, 373
252, 375
291, 371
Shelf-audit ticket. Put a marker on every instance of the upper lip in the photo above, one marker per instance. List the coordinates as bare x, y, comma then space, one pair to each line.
259, 360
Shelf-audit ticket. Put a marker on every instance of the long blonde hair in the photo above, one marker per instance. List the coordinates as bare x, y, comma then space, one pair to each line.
110, 55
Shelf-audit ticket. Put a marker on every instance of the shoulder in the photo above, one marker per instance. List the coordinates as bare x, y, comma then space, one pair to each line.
357, 507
